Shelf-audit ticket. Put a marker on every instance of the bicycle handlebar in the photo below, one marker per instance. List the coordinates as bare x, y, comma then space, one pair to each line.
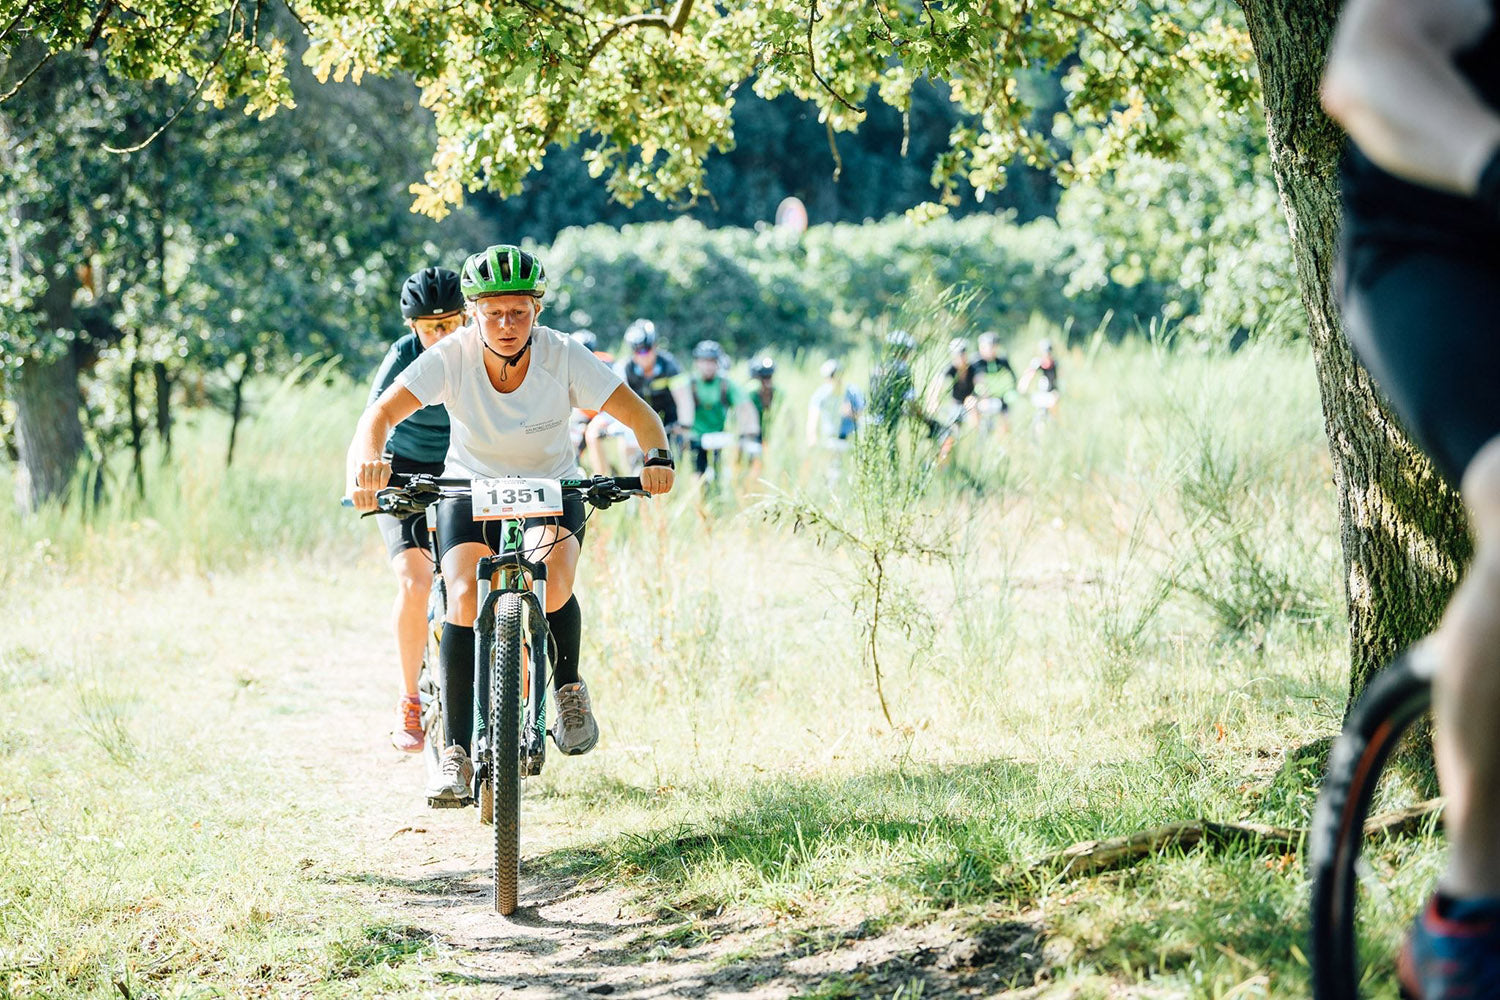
421, 491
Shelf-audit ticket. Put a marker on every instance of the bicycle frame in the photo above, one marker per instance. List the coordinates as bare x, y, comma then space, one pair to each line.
512, 598
509, 571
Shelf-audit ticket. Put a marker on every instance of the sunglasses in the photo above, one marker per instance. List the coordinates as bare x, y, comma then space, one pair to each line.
440, 324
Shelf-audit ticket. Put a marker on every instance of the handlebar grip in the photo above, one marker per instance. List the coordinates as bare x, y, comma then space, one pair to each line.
628, 483
346, 502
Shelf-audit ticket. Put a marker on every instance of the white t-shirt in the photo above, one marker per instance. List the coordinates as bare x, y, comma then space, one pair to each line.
520, 433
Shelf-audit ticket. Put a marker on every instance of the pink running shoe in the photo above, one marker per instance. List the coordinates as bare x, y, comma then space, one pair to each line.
409, 738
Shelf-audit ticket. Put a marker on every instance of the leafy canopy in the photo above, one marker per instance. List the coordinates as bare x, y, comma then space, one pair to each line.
648, 92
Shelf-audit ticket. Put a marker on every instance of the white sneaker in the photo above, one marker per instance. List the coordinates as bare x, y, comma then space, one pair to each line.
575, 731
454, 784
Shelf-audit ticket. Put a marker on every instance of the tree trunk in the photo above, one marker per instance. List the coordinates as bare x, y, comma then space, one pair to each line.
137, 430
163, 408
237, 409
49, 436
44, 386
1403, 531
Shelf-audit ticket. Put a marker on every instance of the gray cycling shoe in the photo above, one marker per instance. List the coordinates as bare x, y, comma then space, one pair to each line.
454, 785
575, 731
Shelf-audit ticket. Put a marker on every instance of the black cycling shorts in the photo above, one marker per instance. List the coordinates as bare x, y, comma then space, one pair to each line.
1421, 314
410, 532
456, 524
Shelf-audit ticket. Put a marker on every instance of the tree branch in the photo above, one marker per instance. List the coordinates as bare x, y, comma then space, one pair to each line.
1110, 40
228, 37
1093, 856
22, 82
296, 16
812, 64
833, 147
17, 20
672, 24
99, 23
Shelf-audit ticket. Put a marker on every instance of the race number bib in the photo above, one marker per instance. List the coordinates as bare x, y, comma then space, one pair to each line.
516, 497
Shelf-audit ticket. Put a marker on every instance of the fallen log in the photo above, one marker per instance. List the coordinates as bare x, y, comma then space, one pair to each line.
1090, 857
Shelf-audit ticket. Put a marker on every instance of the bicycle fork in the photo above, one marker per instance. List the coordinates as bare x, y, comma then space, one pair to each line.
508, 572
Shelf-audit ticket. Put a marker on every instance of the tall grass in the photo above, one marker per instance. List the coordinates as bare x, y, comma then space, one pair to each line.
1135, 621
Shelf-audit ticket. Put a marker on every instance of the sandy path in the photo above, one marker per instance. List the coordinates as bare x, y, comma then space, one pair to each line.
429, 870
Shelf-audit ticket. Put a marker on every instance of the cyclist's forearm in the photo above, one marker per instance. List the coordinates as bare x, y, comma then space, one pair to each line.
633, 411
369, 440
375, 426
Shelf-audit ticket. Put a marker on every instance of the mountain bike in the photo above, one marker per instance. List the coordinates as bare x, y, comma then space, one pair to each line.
709, 445
429, 675
429, 678
1394, 700
511, 650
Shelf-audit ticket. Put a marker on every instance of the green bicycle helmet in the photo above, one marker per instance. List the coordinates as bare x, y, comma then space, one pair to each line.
503, 269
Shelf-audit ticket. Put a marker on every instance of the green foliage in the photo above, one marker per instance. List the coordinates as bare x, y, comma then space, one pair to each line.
834, 287
224, 248
649, 94
1203, 232
782, 149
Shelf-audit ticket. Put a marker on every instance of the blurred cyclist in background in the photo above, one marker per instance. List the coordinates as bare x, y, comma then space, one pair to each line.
766, 398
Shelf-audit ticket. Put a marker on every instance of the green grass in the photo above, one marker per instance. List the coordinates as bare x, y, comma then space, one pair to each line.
1136, 620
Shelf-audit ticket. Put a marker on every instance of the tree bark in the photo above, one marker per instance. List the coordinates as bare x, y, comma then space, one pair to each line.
137, 428
49, 434
163, 407
1403, 531
237, 409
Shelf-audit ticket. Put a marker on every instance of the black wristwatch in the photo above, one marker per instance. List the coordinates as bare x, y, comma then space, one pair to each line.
659, 458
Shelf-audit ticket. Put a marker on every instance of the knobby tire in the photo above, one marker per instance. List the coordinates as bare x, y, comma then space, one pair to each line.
1393, 701
429, 685
505, 741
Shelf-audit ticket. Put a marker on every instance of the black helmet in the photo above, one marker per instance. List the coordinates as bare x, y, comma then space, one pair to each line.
708, 349
432, 291
587, 338
762, 367
640, 335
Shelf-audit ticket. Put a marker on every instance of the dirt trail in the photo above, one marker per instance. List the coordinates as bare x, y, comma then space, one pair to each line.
428, 872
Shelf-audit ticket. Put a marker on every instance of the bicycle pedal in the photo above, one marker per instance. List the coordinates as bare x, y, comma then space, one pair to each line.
532, 766
448, 802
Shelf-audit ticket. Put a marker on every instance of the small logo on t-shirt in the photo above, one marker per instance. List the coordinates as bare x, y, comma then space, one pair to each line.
544, 426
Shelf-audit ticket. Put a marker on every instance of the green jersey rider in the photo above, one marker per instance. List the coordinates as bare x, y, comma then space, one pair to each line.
714, 396
509, 385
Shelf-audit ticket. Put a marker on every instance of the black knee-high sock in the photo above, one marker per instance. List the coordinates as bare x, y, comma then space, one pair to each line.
566, 624
458, 685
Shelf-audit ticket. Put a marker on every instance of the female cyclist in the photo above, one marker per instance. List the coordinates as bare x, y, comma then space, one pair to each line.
509, 386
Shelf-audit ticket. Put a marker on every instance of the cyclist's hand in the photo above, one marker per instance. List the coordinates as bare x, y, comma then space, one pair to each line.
657, 479
369, 478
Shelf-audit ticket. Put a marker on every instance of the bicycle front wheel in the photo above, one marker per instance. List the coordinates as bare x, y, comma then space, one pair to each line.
1392, 702
506, 665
